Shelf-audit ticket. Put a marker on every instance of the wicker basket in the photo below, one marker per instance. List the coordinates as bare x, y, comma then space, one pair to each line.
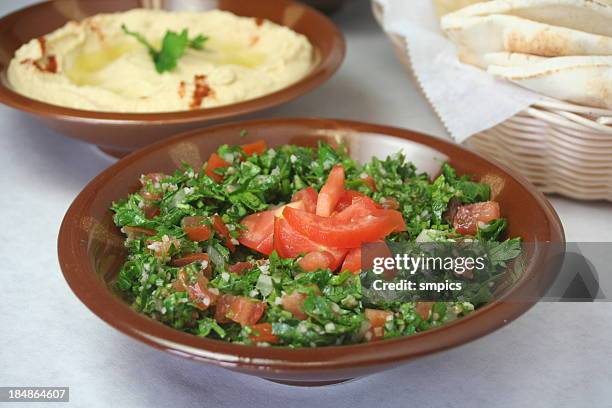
561, 147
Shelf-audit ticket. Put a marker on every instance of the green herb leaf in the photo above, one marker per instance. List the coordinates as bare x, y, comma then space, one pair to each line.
173, 47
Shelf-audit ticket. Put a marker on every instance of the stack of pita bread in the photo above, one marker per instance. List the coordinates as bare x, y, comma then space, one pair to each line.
559, 48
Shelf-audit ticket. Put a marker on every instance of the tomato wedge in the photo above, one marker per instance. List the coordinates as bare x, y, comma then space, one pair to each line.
377, 319
309, 197
214, 162
360, 207
330, 192
262, 333
239, 309
345, 232
258, 147
352, 262
468, 217
220, 227
259, 232
195, 228
289, 243
347, 198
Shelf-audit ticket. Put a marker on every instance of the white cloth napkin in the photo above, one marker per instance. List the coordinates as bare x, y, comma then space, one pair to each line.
467, 99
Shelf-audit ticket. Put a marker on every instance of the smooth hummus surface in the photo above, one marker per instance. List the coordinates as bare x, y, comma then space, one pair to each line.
94, 65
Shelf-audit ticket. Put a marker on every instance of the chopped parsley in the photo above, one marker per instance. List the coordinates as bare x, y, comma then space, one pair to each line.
189, 296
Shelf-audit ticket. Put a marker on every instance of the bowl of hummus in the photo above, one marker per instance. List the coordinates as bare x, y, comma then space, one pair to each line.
124, 74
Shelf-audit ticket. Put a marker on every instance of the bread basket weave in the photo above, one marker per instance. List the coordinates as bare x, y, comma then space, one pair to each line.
560, 147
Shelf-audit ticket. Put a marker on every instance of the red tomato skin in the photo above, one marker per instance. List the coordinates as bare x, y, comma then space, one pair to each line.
264, 333
239, 267
202, 297
469, 216
423, 309
352, 262
309, 197
342, 231
214, 162
220, 227
259, 232
377, 319
245, 311
349, 197
239, 309
330, 192
289, 243
151, 211
258, 147
224, 304
316, 260
187, 259
195, 230
293, 303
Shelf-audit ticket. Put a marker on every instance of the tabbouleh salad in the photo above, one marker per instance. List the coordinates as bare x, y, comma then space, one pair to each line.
263, 245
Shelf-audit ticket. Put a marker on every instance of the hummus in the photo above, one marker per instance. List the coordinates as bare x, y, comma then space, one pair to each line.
93, 65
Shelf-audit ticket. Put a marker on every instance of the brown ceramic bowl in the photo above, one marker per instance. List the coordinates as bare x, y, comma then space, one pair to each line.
121, 133
91, 249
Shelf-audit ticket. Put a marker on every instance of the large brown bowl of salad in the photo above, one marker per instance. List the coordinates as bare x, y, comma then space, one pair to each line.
242, 245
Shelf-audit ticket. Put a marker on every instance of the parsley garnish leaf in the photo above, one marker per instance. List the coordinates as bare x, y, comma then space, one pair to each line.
173, 47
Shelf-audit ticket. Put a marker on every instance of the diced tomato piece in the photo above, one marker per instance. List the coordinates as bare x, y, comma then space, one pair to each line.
262, 333
352, 262
239, 267
220, 227
137, 232
423, 309
469, 217
239, 309
190, 258
258, 147
195, 228
345, 232
289, 243
330, 192
151, 211
293, 303
223, 308
214, 162
245, 311
150, 196
369, 181
377, 319
316, 260
309, 197
202, 296
259, 232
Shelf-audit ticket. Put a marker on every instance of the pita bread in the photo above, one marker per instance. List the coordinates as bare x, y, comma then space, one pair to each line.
591, 16
480, 35
583, 80
448, 6
511, 59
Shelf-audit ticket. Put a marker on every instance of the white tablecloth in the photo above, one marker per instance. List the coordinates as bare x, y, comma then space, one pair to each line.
555, 355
